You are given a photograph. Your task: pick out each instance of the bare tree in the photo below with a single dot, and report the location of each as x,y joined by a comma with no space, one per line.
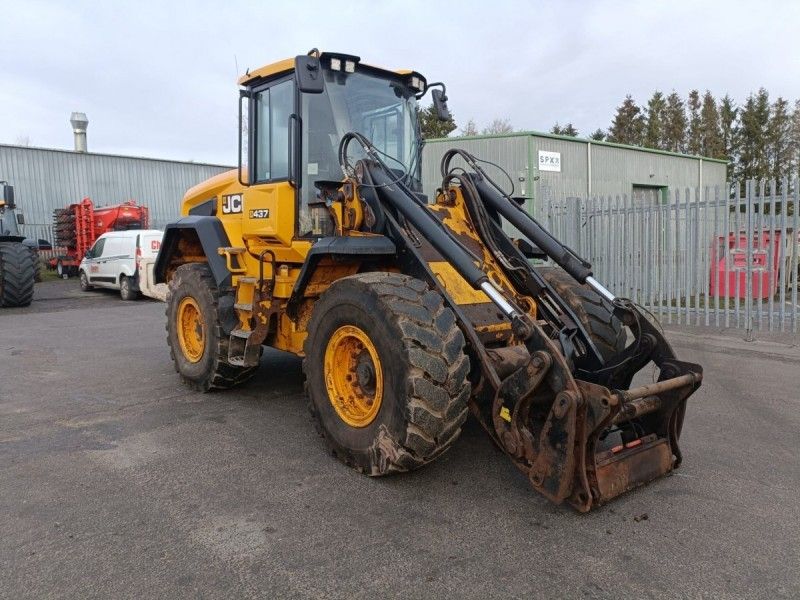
23,140
469,128
498,126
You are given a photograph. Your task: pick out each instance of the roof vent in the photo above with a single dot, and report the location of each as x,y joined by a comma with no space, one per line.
79,125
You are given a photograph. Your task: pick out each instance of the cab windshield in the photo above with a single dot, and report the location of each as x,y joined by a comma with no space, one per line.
381,108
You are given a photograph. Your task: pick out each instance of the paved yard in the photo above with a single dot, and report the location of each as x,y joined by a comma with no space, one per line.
117,482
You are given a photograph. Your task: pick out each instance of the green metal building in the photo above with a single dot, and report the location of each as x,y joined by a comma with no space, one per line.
546,167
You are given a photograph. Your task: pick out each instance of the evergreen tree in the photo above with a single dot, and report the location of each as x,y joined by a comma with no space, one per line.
695,141
751,138
674,135
779,143
727,125
628,124
712,145
653,132
430,125
794,165
567,129
599,135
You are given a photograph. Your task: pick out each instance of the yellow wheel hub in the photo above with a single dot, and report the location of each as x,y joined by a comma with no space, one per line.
353,376
191,329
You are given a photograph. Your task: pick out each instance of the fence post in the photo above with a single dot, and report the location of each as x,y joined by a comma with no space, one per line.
748,282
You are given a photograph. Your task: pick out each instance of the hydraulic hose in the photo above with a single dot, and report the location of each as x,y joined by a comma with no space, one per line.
515,215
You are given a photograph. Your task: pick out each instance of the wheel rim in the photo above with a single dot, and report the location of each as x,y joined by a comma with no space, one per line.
353,376
191,329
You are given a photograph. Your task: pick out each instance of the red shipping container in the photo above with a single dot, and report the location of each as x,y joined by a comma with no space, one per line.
764,282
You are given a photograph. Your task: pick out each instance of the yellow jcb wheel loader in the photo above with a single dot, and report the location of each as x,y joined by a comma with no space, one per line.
410,311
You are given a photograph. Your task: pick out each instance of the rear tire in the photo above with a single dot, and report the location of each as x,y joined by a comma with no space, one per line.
208,368
420,363
17,274
607,331
126,291
37,265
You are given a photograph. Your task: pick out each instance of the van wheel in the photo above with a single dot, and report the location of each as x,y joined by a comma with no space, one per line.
126,288
85,285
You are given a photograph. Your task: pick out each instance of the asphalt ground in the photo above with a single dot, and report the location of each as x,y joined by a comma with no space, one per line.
118,482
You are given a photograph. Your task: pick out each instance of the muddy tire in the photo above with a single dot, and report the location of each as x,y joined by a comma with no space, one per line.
419,354
607,332
17,274
198,317
37,265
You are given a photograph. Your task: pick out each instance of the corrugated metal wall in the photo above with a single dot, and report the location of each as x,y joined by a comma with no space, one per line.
614,169
511,153
46,179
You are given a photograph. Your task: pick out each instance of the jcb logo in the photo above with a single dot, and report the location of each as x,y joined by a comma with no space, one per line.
231,204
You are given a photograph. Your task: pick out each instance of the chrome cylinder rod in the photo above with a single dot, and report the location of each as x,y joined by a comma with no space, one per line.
497,297
600,289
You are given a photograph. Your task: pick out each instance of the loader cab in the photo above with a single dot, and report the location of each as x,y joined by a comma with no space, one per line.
291,133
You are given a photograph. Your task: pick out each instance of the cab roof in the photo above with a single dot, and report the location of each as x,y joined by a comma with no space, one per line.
287,64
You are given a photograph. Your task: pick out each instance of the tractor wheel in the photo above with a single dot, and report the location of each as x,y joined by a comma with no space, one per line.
37,265
85,285
606,331
386,372
17,274
197,318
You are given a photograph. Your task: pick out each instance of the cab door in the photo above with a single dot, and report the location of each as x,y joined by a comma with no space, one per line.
94,261
268,210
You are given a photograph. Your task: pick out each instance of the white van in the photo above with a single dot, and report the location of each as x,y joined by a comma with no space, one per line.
113,261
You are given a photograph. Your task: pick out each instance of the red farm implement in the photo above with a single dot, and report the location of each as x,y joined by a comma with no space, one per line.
77,226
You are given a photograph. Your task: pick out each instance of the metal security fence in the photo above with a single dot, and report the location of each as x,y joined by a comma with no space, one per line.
722,257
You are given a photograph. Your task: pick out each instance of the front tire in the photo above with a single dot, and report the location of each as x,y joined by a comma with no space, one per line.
85,285
17,274
386,372
606,330
198,317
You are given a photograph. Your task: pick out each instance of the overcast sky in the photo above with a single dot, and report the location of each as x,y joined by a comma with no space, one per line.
159,78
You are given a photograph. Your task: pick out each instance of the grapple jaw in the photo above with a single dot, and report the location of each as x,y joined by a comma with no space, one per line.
583,442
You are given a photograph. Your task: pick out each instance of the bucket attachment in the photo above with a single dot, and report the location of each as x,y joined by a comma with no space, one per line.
585,443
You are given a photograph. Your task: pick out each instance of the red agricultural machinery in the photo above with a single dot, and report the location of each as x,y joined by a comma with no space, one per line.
77,226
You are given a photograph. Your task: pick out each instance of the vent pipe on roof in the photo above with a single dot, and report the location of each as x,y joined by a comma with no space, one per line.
79,125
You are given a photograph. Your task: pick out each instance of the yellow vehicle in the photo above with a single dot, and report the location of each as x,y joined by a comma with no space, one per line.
410,311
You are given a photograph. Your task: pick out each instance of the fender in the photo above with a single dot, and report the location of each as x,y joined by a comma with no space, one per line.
212,236
345,247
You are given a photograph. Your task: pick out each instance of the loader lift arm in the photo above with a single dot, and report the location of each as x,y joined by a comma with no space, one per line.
557,406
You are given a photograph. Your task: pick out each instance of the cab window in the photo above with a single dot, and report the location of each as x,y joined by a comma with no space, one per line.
97,249
273,106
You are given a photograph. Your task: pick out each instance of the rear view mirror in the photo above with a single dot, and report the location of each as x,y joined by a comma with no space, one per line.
8,195
308,72
440,105
20,219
